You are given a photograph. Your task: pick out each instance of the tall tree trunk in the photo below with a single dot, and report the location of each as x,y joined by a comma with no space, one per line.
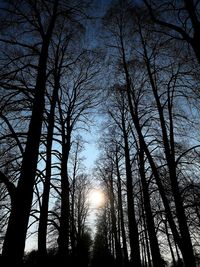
143,249
133,230
114,224
147,244
121,214
14,242
195,40
63,238
170,245
72,215
155,251
177,252
42,229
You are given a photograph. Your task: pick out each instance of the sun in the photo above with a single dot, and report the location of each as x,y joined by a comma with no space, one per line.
96,198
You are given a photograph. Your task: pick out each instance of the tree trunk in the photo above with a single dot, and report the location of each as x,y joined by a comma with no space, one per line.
63,238
114,225
121,214
147,244
133,230
155,251
42,229
170,246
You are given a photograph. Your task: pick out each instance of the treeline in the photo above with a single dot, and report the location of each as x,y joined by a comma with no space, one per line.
145,74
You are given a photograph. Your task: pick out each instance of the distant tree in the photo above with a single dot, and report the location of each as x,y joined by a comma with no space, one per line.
101,254
83,249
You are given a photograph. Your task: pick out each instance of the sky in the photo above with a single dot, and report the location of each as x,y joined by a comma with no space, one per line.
97,11
93,38
90,152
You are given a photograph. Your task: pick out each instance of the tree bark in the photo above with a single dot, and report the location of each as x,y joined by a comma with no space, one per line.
121,214
170,245
155,251
42,229
63,238
114,224
133,230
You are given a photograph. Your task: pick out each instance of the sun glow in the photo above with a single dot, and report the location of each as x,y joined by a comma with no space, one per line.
96,198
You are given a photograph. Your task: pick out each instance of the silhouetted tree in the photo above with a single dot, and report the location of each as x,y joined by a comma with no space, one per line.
14,242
